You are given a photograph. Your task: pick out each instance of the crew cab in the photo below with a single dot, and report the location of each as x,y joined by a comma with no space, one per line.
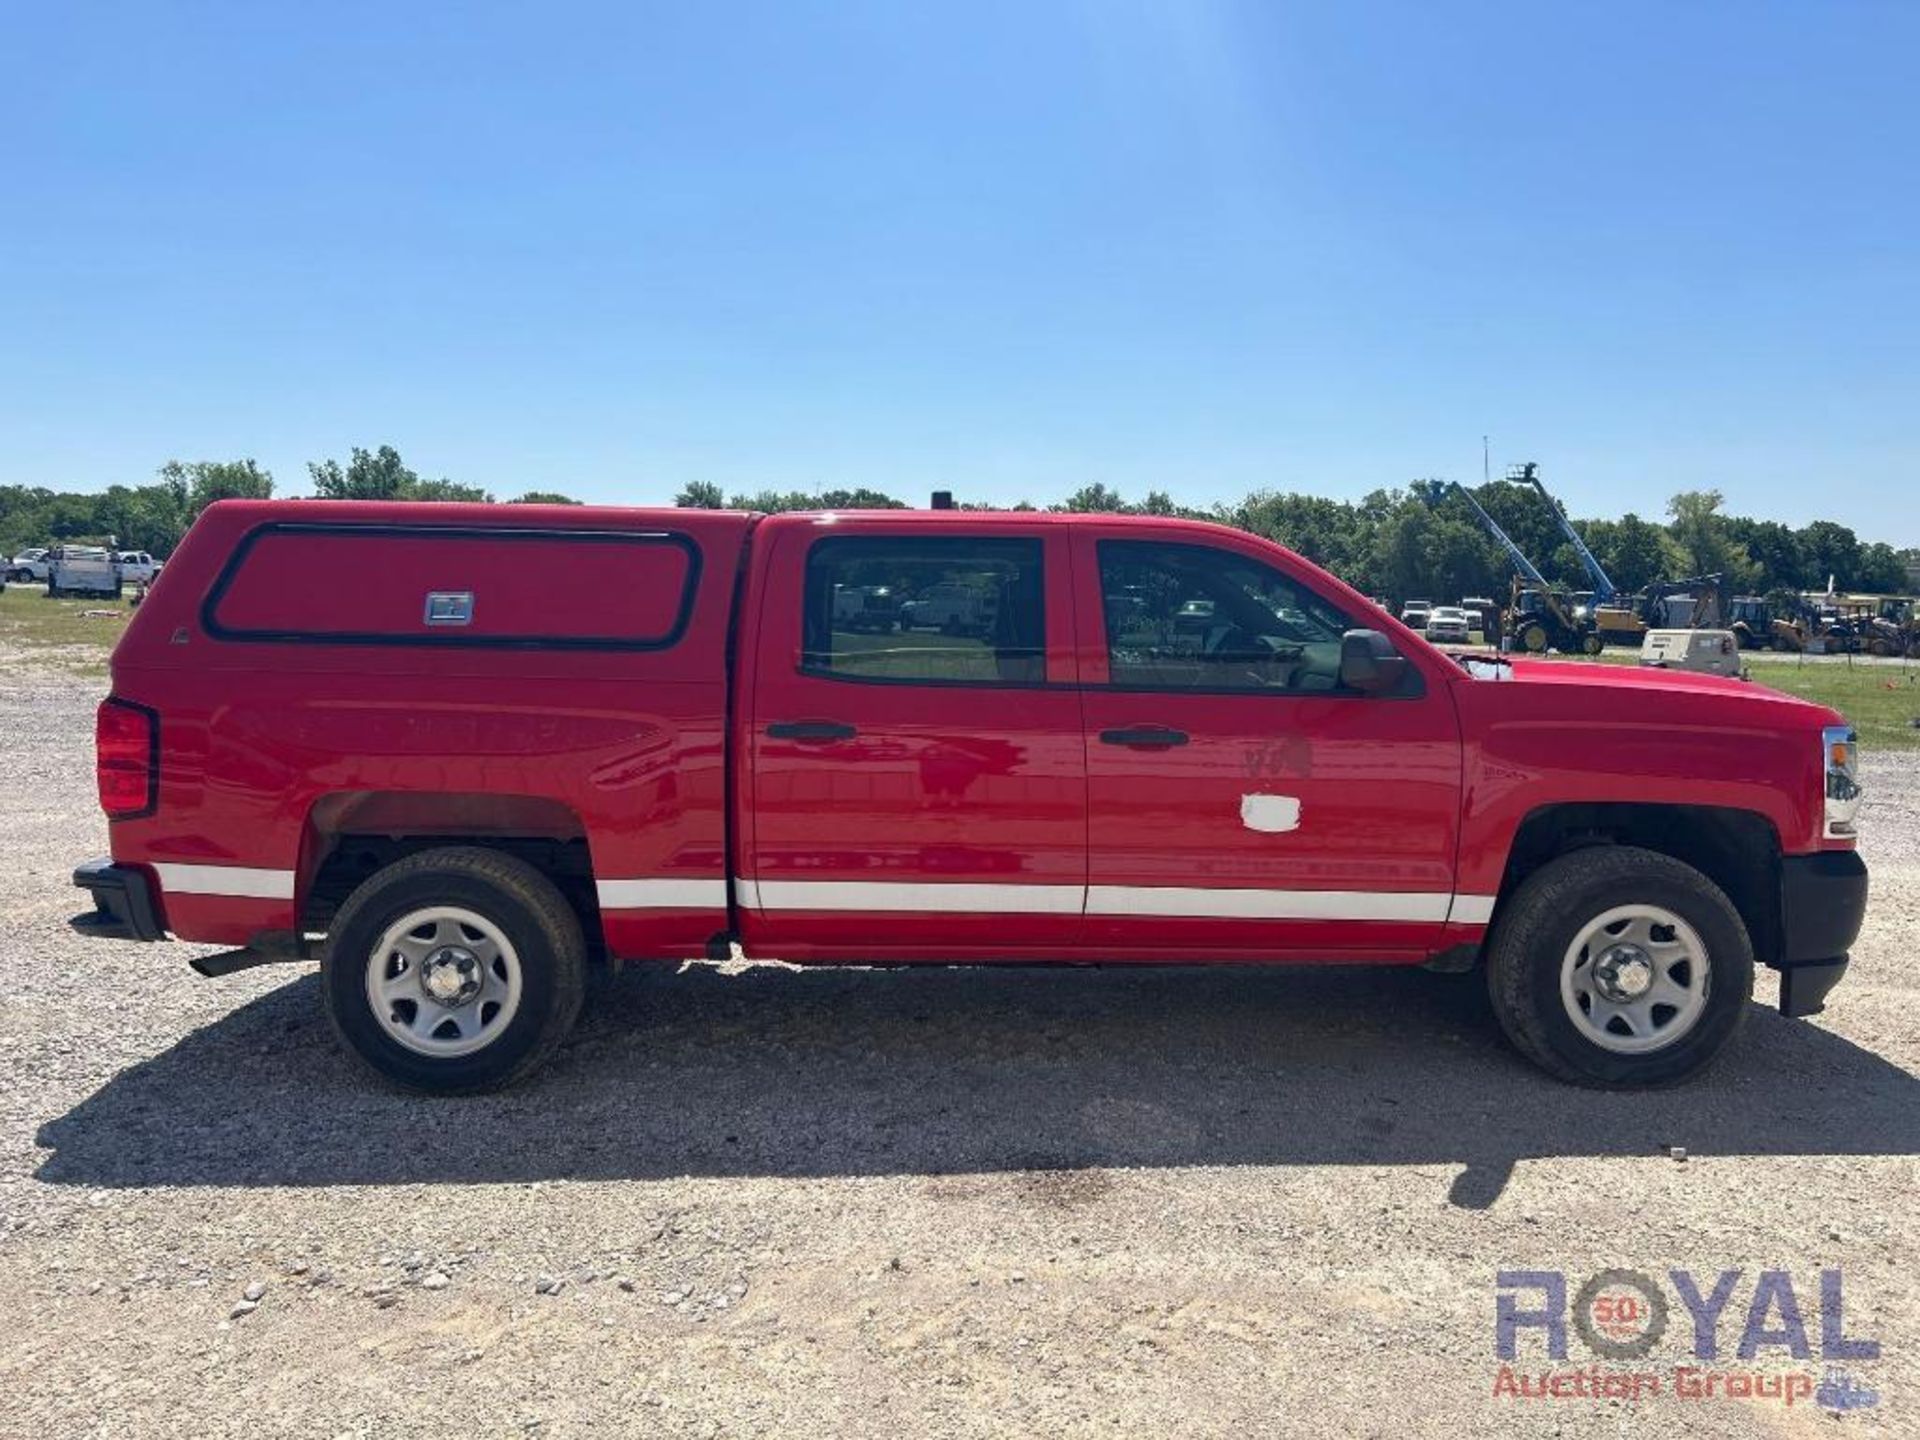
457,753
29,565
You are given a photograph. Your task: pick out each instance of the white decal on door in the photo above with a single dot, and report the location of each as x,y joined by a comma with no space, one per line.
1270,814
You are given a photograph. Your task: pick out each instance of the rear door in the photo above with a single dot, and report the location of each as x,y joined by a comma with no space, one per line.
915,784
1240,799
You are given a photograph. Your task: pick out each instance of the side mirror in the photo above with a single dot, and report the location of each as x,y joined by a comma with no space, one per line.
1369,663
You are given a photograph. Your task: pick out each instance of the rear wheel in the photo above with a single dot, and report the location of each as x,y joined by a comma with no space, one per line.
1619,967
1533,638
454,970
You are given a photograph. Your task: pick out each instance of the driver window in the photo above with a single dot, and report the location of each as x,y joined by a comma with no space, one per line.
1192,617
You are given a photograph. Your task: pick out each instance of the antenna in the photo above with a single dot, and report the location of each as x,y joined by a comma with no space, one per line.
1486,464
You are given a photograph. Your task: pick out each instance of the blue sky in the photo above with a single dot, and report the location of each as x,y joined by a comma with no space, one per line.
1009,249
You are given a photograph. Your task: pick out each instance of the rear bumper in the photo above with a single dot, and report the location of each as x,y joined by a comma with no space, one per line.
1823,903
123,907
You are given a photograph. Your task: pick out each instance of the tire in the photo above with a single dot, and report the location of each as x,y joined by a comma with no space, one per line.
514,918
1591,645
1533,639
1534,974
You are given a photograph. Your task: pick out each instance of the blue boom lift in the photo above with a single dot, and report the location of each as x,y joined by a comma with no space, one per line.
1540,618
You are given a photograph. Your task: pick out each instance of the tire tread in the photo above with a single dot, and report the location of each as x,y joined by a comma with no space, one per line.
521,882
1551,892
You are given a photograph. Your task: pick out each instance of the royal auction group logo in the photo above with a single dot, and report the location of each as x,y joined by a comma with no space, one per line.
1624,1318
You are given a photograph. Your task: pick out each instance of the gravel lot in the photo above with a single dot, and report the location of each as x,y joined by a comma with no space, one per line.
886,1203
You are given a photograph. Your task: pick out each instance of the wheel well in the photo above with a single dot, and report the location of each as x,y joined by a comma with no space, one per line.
1736,849
351,835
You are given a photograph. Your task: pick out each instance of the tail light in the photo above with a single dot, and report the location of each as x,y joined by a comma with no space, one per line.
127,759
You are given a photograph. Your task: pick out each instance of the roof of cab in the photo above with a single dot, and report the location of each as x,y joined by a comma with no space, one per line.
242,514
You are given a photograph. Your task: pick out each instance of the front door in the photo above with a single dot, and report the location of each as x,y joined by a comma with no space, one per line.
915,785
1241,800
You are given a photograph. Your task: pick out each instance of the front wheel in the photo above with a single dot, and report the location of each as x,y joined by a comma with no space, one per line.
1591,644
454,970
1619,967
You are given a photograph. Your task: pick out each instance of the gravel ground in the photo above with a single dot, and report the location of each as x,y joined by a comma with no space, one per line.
886,1203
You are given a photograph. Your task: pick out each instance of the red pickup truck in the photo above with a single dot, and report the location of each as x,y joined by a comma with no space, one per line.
457,752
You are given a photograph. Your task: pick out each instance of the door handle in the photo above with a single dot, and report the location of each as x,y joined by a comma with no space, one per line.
811,731
1146,736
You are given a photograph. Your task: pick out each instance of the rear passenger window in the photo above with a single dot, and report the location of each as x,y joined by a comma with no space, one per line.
931,611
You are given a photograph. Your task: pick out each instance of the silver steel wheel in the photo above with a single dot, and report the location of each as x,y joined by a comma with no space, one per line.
1635,979
444,982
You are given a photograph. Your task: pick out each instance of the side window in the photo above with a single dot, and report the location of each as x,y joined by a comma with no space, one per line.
959,610
1193,617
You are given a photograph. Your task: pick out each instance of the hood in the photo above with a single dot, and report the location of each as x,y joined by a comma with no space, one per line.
1644,683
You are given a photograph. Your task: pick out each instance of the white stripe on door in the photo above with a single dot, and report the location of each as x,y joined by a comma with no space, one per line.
955,898
949,899
1428,907
1267,904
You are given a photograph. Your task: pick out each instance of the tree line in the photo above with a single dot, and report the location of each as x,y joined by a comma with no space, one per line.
153,517
1402,543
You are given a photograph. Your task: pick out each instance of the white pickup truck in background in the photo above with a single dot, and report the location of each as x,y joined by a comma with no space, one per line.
136,567
28,565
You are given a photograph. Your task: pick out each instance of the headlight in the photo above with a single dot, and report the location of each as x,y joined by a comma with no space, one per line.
1840,758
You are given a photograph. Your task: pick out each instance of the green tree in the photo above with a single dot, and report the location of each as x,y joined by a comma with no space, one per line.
1633,552
543,497
1832,552
1706,547
857,499
1880,570
382,475
1327,532
368,475
448,490
1530,524
198,483
1095,498
1775,548
701,495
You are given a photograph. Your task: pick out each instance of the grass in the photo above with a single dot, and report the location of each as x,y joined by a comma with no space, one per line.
1881,701
60,633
